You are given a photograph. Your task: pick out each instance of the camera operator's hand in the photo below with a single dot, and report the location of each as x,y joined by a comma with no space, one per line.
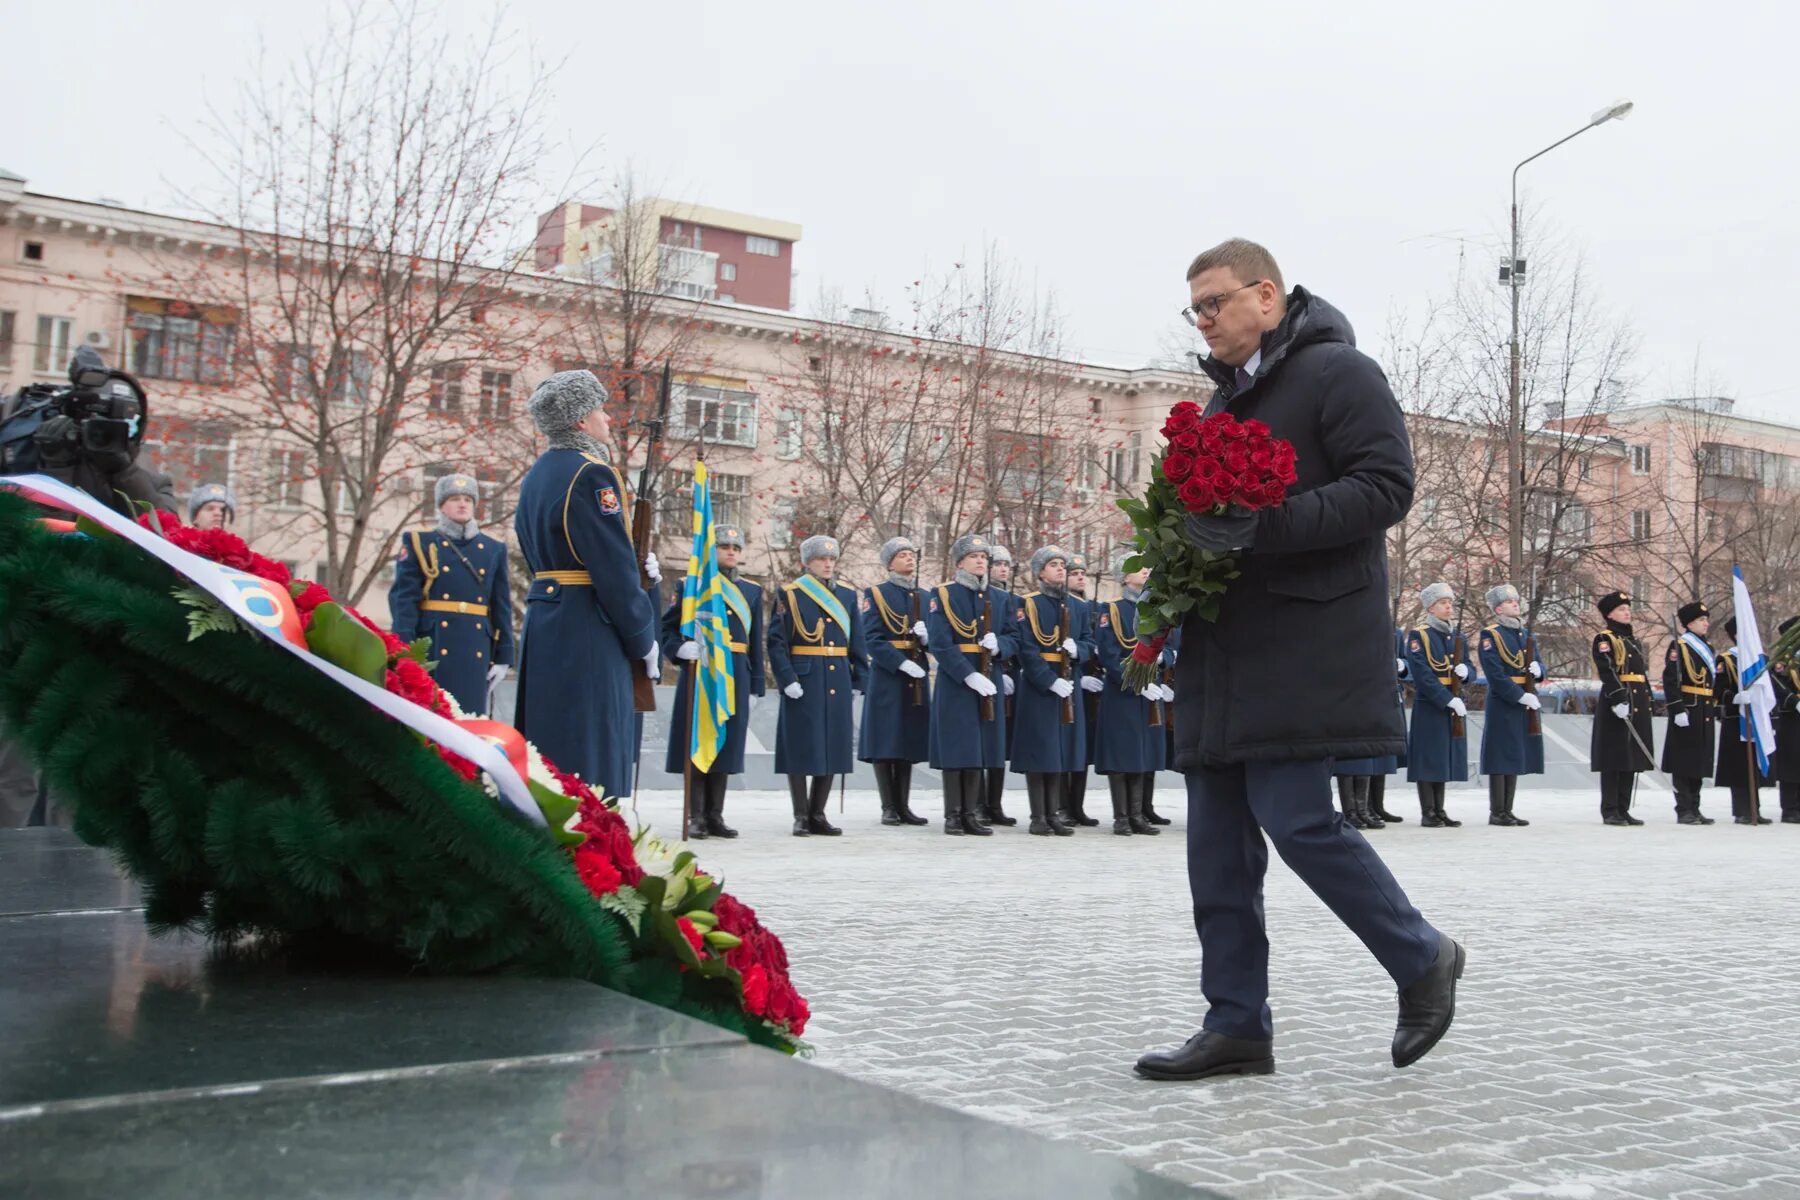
57,439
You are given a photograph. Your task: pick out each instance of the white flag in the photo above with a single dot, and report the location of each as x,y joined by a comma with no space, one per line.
1753,675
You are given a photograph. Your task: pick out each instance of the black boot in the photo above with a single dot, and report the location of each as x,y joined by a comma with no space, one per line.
696,806
903,773
716,783
884,784
953,790
1512,791
1428,818
1076,787
974,793
1347,801
1056,800
1443,817
1139,811
1497,801
1120,788
815,818
1149,809
1377,798
1034,797
1359,795
797,793
994,786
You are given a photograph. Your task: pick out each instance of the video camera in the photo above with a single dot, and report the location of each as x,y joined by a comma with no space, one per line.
96,421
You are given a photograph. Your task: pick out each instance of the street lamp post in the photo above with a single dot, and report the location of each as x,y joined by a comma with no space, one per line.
1515,429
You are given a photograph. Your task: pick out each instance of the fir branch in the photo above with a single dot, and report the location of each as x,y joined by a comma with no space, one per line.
205,613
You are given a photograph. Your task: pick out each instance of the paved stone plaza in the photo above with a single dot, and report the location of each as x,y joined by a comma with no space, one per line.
1629,1025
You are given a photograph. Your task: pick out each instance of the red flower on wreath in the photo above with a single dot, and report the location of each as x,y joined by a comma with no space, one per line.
694,937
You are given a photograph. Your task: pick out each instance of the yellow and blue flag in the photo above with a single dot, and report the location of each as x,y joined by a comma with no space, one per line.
703,620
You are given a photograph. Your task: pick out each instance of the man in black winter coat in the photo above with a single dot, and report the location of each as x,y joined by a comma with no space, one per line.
1311,605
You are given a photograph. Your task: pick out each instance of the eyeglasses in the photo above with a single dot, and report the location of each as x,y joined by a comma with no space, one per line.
1208,306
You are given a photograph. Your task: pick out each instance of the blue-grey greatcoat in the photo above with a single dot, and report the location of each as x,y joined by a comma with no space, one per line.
894,727
816,734
1507,748
1432,755
1043,742
588,625
960,739
747,679
1125,743
1088,703
455,591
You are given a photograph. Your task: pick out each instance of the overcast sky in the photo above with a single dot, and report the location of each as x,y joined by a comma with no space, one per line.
1100,145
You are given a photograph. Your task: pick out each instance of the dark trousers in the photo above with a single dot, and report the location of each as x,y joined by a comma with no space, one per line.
1687,794
1741,805
1615,792
1229,810
1790,797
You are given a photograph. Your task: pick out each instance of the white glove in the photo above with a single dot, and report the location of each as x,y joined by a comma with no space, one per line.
1400,665
990,643
909,667
1070,648
688,651
1537,671
1173,655
1153,692
497,672
1681,719
1530,701
793,691
1458,707
1092,683
1461,670
1008,681
1168,693
653,663
652,568
981,685
919,629
1062,689
1743,699
1621,710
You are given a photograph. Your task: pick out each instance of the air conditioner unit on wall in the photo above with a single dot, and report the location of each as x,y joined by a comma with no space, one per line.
99,339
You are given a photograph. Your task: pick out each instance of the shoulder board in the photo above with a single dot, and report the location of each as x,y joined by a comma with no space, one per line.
791,587
596,460
1030,595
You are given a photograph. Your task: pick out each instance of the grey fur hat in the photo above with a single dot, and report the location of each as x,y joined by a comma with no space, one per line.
1500,593
206,493
1044,554
971,543
895,545
456,484
561,401
728,535
1078,562
1434,592
998,553
819,545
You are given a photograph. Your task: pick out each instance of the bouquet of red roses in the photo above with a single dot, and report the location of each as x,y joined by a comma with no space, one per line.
1213,464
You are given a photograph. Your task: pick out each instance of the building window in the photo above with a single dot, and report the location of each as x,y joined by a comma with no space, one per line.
352,377
293,372
1094,404
1640,458
173,339
1640,524
782,512
287,479
8,330
727,272
349,486
730,498
727,298
496,395
763,245
52,351
815,364
34,252
723,416
787,435
191,452
1638,594
428,501
445,394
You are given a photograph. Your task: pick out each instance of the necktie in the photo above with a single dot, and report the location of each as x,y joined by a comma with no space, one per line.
1243,379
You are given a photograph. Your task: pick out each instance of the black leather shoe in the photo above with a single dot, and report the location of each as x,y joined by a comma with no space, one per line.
1631,820
1207,1054
1689,819
1617,821
1790,818
1705,820
1740,820
716,827
1428,1005
1433,821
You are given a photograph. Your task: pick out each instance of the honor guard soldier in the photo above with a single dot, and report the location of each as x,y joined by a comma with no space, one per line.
1091,679
1362,782
1688,673
1129,747
744,616
1622,730
896,714
1000,573
970,631
1787,731
450,585
1512,736
212,506
1735,756
1051,742
1378,810
589,627
1437,752
1171,653
816,655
